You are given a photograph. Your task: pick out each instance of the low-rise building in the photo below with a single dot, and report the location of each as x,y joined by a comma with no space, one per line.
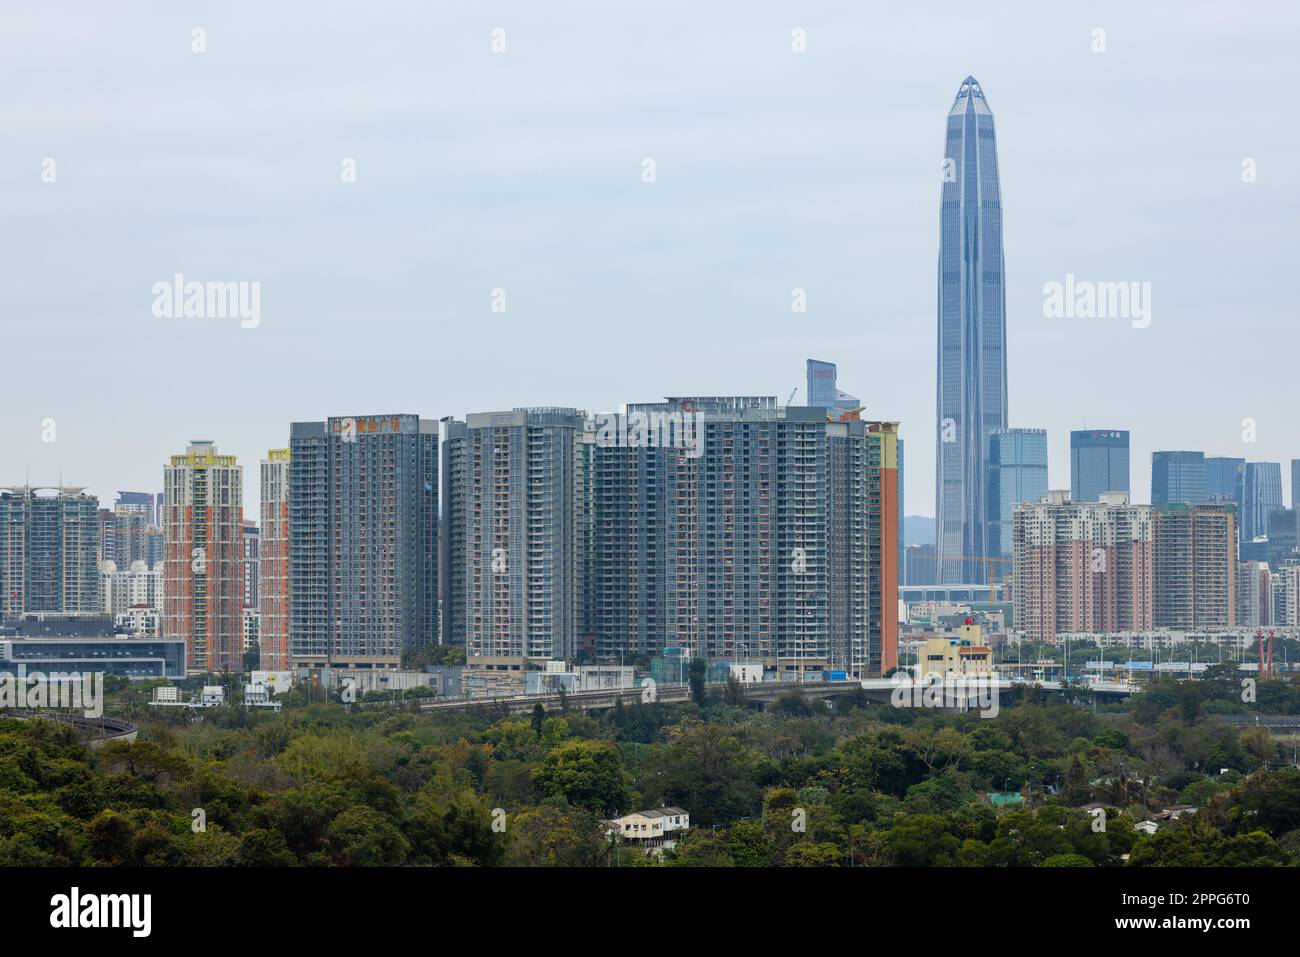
965,655
493,676
652,829
87,643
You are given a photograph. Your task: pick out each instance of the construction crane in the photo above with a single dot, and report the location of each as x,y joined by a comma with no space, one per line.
792,392
1259,639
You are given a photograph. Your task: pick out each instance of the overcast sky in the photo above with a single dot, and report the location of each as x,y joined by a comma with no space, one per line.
523,170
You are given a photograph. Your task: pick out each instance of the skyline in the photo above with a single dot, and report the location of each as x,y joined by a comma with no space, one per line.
770,177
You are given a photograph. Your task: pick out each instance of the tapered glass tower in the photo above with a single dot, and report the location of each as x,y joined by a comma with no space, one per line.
972,376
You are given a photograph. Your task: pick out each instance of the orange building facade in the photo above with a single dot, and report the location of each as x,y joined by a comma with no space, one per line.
203,557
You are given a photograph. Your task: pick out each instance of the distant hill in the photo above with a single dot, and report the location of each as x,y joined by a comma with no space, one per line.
918,530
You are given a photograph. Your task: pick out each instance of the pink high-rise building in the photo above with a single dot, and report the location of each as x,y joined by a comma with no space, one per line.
1083,566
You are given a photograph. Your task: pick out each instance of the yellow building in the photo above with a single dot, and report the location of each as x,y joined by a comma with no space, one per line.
964,655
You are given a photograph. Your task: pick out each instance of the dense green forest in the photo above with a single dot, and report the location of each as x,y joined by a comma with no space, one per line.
382,784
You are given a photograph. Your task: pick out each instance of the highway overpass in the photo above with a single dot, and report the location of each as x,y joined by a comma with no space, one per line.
879,690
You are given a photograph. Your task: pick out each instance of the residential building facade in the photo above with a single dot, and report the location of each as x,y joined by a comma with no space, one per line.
363,540
1083,566
203,556
49,551
273,562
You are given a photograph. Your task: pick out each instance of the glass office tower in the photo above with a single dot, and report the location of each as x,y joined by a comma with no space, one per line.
1017,473
1178,477
1098,463
1224,479
1261,494
824,392
972,362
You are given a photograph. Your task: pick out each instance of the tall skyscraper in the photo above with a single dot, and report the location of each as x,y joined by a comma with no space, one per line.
363,540
49,551
1178,477
1261,494
273,562
203,556
1098,463
972,361
1017,473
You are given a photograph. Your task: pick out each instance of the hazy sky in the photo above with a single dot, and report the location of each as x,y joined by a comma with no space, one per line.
522,171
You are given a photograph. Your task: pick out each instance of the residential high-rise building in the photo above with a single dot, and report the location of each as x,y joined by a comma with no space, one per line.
363,540
455,486
1017,473
252,555
902,512
1286,596
1254,595
127,536
517,524
273,562
1178,477
740,537
1295,493
1083,566
824,392
1224,480
146,502
49,551
972,361
1261,494
1098,463
203,556
884,485
252,620
1283,597
1196,567
135,587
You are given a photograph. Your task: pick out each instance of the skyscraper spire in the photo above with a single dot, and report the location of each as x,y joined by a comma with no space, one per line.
971,389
